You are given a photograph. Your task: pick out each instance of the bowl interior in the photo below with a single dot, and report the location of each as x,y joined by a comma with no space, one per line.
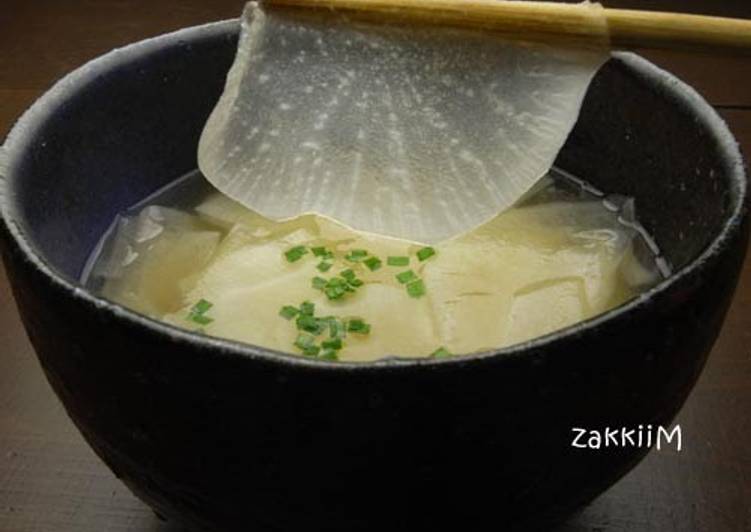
126,124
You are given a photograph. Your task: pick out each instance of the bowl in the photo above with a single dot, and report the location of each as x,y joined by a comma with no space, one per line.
218,435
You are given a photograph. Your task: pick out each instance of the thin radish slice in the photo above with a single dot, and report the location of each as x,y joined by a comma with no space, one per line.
420,133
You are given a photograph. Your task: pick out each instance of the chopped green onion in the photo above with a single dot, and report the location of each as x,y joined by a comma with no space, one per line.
197,312
294,254
201,307
397,261
335,292
335,288
200,319
373,263
356,255
307,308
357,325
334,343
322,252
324,266
288,312
311,350
441,352
329,354
304,340
352,280
416,288
310,324
406,277
425,253
307,323
337,329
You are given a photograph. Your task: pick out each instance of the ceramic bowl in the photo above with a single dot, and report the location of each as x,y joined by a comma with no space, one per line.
222,436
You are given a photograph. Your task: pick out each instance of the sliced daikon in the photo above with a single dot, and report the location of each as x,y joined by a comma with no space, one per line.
546,307
154,258
248,284
418,132
552,262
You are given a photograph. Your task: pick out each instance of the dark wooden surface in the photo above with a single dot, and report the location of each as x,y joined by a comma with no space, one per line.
51,481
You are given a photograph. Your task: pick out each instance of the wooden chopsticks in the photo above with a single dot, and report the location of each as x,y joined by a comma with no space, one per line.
579,23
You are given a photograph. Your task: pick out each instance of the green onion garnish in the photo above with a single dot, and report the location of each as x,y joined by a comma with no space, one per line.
334,343
201,307
356,255
357,325
351,278
373,263
322,252
310,324
294,254
288,312
311,350
304,340
425,253
324,266
335,292
337,329
200,319
329,354
307,323
441,352
307,308
397,261
335,288
406,277
198,311
416,288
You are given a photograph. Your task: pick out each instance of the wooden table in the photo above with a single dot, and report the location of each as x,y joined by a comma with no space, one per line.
51,481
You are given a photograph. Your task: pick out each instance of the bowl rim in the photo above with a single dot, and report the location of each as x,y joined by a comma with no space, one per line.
22,136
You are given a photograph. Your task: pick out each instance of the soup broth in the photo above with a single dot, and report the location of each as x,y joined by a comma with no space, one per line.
311,286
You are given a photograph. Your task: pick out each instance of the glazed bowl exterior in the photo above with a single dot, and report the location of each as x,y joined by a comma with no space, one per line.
222,436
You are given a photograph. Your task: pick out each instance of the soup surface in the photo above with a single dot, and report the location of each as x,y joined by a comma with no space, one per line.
195,259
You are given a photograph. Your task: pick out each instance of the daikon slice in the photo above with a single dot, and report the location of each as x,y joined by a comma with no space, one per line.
153,258
536,268
546,307
417,132
247,284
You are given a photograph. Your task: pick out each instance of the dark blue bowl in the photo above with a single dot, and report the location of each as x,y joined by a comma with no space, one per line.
220,435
